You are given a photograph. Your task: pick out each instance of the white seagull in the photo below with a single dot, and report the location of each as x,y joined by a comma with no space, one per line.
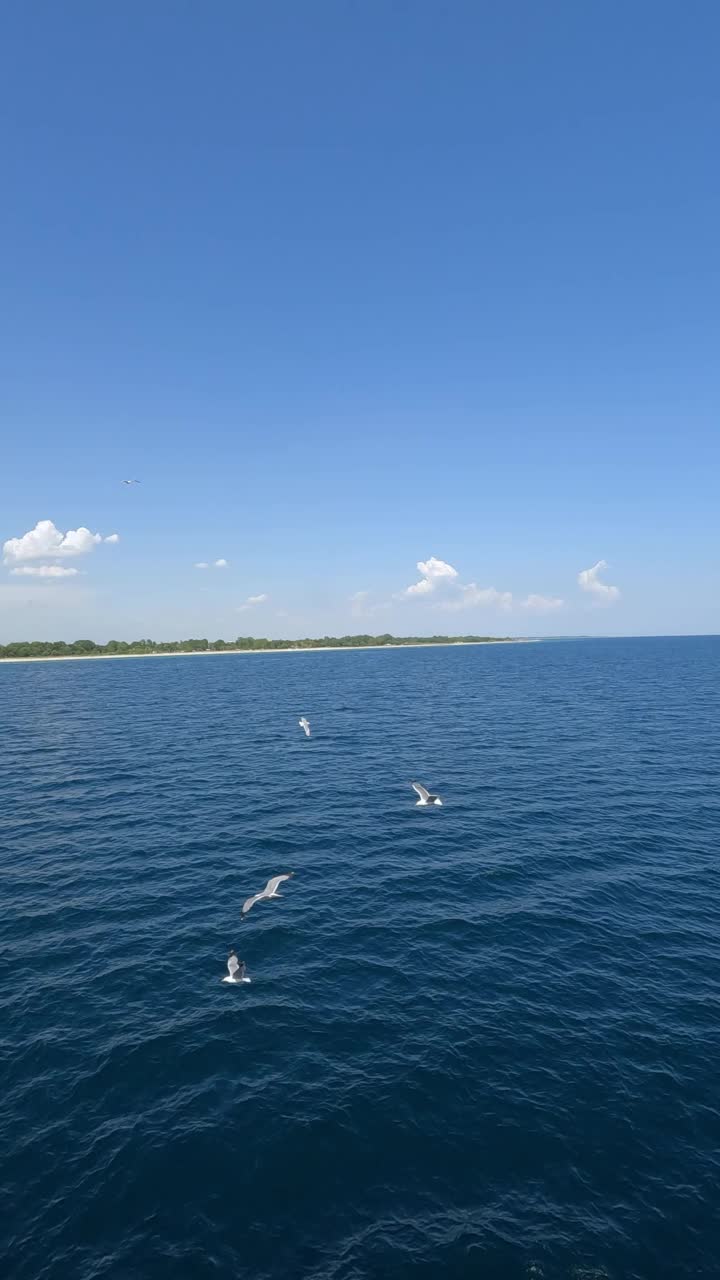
424,794
270,891
236,969
131,481
305,726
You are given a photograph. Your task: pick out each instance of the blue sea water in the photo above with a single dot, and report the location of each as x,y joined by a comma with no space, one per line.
480,1041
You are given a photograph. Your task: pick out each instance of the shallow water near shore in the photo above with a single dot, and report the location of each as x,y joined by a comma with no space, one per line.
480,1040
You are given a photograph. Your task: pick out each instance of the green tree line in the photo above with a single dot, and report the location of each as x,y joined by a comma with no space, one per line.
88,648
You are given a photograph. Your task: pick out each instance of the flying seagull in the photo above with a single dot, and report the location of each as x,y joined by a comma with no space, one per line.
424,794
270,891
305,726
131,481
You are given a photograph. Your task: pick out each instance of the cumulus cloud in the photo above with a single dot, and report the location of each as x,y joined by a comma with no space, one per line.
590,581
220,564
441,579
201,564
472,596
47,542
541,604
433,572
45,571
216,564
252,602
112,537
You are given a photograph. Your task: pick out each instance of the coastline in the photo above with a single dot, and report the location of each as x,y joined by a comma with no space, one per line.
223,653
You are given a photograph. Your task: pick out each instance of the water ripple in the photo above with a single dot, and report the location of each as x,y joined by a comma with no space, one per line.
480,1041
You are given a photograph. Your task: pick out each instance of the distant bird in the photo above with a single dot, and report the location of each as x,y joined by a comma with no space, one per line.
424,794
270,891
131,482
305,726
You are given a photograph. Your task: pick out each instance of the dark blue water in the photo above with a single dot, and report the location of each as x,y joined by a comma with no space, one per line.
481,1041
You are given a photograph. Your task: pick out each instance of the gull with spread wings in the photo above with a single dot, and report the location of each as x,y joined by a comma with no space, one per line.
270,891
425,796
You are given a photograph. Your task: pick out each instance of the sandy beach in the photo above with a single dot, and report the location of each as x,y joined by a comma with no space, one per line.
220,653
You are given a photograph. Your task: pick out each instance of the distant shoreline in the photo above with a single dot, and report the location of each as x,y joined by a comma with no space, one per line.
219,653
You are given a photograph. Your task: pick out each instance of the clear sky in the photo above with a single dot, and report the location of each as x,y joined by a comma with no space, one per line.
354,286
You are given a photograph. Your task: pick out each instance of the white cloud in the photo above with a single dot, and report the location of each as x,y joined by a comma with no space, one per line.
45,541
216,564
441,580
220,564
589,581
45,571
440,577
472,596
433,571
541,604
201,564
112,537
252,602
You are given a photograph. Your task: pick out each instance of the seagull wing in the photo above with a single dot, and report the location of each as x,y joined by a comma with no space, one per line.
250,902
422,791
272,885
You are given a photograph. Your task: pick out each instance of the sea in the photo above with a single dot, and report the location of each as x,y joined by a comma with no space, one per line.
481,1041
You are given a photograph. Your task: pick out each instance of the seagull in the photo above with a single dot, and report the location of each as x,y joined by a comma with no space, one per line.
305,726
270,891
236,969
131,481
424,794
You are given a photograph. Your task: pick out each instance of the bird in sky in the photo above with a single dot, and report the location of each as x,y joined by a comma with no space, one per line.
305,726
424,794
131,482
270,891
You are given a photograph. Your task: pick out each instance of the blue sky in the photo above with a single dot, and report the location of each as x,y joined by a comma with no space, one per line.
351,287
